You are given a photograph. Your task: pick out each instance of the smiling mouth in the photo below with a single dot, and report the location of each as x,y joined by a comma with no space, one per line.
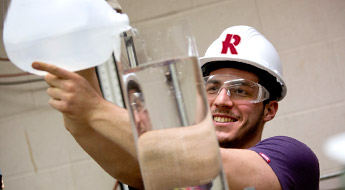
223,119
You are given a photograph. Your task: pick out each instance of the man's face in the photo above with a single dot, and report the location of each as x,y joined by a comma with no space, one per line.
140,113
237,125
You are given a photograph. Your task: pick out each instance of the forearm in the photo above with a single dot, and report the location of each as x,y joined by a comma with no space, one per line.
108,139
101,128
107,118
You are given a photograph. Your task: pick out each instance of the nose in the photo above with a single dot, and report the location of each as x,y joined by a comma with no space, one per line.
223,98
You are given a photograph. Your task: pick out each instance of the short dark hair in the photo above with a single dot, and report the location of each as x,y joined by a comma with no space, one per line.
265,79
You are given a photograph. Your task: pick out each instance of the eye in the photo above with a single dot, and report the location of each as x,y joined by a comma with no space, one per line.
212,89
240,91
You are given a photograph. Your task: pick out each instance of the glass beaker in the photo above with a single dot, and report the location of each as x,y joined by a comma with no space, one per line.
172,125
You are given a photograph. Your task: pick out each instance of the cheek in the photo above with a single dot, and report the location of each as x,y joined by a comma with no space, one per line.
251,112
246,111
209,102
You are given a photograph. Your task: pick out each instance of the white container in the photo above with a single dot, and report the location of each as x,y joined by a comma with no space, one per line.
71,34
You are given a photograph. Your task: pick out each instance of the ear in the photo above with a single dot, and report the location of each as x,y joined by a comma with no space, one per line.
270,111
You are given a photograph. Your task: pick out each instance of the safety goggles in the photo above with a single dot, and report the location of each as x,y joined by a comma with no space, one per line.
239,90
137,101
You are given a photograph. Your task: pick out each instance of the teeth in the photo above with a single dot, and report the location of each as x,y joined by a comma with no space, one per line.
223,119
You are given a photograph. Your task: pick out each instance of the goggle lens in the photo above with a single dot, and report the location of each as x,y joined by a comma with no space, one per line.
238,89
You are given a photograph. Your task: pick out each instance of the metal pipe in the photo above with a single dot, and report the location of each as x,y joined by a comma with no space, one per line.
173,76
132,58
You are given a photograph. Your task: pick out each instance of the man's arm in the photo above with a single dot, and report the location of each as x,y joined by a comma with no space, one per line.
103,131
101,128
109,141
245,168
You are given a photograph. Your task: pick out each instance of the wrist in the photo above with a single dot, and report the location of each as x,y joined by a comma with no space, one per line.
81,124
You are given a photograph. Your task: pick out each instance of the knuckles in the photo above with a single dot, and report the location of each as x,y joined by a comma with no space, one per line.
65,108
62,106
70,98
70,95
68,86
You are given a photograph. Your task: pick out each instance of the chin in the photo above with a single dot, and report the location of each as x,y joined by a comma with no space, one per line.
223,136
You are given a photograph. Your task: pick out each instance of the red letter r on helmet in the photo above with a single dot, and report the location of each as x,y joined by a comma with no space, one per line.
227,44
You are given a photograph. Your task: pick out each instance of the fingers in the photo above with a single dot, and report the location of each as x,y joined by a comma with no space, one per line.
52,80
56,77
62,73
60,100
70,93
57,82
58,105
55,93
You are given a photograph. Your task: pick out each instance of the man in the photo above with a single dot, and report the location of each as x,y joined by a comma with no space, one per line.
239,117
243,81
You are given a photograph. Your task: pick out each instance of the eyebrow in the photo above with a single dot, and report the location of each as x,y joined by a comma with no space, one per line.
238,81
214,81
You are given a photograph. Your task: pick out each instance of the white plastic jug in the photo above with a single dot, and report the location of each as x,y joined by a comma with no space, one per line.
71,34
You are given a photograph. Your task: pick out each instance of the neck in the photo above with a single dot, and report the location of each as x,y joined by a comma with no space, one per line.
255,140
249,142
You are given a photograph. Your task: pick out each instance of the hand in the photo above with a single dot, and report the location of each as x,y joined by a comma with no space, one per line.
70,93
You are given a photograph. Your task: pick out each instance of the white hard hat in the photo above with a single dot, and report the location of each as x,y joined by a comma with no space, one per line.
243,46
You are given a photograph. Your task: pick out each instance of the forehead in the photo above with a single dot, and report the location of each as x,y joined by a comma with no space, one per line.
240,73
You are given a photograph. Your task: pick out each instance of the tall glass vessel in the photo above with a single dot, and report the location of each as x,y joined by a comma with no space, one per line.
172,125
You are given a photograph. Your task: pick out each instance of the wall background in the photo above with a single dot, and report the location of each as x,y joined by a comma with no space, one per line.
36,152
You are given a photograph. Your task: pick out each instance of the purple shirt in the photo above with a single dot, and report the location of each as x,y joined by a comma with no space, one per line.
294,163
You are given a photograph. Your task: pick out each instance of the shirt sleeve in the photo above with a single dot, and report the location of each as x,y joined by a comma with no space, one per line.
294,163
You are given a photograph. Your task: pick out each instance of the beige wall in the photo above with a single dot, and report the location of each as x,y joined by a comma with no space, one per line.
38,153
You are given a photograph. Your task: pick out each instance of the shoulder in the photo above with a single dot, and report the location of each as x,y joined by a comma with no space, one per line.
281,141
291,160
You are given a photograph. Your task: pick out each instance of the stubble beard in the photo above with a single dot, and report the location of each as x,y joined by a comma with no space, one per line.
251,130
